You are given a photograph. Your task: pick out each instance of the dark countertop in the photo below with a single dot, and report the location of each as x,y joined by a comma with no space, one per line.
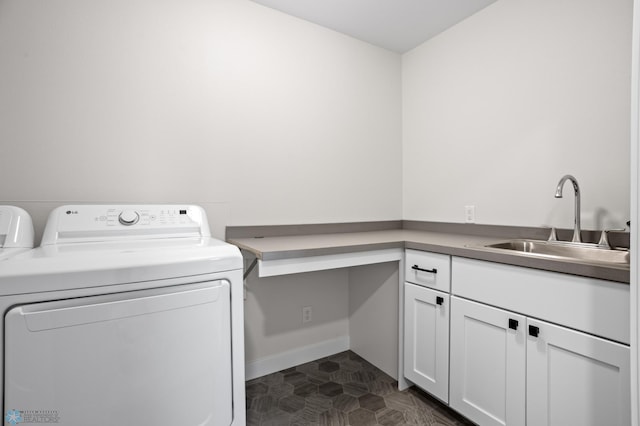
288,242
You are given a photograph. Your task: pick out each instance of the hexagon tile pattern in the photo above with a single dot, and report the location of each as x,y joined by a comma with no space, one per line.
341,390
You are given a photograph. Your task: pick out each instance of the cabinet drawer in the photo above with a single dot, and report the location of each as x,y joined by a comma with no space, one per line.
428,269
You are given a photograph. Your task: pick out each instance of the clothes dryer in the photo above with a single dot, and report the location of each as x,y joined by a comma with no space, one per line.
128,315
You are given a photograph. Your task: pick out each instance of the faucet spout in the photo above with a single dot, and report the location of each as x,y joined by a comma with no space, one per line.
576,229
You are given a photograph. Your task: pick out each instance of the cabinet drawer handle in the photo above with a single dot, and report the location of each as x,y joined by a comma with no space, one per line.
534,331
431,271
513,324
439,300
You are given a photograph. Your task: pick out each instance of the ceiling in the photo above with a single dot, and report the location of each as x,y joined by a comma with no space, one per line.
397,25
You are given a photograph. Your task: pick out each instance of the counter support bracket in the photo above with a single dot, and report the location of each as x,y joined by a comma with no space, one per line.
250,268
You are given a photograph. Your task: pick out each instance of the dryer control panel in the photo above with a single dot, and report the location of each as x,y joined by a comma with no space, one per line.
93,223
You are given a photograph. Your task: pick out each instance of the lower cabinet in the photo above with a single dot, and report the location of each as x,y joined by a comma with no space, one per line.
487,363
426,339
507,369
574,378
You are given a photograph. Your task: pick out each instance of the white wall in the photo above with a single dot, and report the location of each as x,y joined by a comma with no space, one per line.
260,117
498,108
273,315
272,119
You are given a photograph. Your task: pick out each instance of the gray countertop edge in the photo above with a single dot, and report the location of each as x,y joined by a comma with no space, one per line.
324,251
454,243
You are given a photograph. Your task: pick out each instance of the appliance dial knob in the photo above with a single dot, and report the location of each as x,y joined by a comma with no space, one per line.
128,217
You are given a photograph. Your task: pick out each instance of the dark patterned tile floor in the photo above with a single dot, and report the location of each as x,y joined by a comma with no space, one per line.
341,390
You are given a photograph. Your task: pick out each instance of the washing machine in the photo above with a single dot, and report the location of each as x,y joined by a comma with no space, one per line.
16,232
125,315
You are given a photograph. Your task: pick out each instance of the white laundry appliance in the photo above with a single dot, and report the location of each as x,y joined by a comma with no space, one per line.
16,231
125,315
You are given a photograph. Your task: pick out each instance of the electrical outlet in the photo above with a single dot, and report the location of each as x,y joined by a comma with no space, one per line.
470,214
306,314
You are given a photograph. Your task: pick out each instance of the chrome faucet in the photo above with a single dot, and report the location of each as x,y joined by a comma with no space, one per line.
576,229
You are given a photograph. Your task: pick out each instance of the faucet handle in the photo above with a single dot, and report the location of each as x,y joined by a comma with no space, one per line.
604,239
553,236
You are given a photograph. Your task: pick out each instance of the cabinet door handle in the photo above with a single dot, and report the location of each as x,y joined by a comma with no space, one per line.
513,324
431,271
439,300
534,331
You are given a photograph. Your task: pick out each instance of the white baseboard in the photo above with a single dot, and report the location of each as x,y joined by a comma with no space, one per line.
284,360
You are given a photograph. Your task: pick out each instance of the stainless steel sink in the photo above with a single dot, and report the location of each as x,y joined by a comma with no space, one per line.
570,250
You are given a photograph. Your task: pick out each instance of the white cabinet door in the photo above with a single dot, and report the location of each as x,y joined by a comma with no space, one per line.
426,339
487,364
575,378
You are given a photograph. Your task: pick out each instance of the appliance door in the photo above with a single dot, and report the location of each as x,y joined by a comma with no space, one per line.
149,357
